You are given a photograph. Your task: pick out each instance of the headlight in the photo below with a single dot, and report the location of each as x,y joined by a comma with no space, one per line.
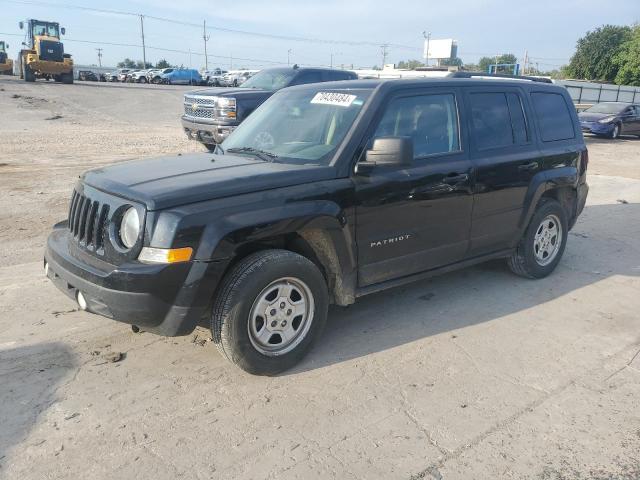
607,120
130,228
227,106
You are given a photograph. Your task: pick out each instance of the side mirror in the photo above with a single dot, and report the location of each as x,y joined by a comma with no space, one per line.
21,25
388,152
63,30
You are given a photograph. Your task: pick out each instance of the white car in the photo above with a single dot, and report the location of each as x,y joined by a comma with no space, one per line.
139,76
213,77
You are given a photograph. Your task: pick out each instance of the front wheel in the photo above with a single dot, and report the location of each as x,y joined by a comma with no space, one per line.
615,133
543,243
269,310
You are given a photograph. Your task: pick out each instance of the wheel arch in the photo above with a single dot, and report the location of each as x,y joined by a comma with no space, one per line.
318,231
559,184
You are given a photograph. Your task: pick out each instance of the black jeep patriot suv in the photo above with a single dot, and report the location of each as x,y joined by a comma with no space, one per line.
327,192
210,115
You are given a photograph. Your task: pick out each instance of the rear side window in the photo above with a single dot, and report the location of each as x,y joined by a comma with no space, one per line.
498,120
311,76
553,116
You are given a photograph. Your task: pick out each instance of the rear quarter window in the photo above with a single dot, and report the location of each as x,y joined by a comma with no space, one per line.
554,117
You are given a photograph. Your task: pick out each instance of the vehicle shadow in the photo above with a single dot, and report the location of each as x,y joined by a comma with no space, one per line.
29,379
600,245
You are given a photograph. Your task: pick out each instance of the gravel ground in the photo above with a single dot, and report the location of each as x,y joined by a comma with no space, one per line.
475,374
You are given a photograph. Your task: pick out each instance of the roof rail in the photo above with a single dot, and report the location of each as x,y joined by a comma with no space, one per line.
498,75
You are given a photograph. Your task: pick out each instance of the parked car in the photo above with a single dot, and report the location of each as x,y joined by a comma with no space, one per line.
326,193
235,78
611,119
87,76
213,77
122,74
210,115
155,76
138,76
115,75
182,76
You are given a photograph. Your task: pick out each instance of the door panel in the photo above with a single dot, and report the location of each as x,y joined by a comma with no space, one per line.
414,219
505,159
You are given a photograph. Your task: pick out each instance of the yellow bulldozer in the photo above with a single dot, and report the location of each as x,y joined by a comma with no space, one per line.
6,64
43,55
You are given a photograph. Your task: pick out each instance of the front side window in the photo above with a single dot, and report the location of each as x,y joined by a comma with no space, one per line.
48,29
553,116
298,126
430,120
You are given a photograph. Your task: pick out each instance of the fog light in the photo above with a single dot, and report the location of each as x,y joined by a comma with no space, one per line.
82,302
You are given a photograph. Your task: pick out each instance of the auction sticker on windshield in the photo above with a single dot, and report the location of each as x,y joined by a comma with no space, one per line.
333,98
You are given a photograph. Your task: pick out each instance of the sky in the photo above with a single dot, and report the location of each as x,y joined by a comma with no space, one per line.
316,32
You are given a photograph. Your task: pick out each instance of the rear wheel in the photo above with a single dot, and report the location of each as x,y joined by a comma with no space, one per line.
543,243
66,78
269,310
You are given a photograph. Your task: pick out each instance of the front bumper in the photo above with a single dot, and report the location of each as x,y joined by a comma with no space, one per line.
206,131
164,299
6,67
597,128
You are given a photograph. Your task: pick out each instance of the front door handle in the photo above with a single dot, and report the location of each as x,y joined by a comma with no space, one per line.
451,179
529,166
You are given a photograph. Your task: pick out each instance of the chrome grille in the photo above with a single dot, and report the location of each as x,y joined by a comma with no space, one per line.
87,221
191,99
198,112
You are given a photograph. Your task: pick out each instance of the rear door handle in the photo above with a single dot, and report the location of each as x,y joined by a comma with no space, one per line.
529,166
451,179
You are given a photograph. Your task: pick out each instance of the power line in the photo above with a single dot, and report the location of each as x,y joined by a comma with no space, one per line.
222,29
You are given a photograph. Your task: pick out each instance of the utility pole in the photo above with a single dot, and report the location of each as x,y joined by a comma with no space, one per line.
206,38
99,57
144,50
289,56
427,36
385,51
526,62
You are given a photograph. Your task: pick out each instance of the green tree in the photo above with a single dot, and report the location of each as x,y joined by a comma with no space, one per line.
485,62
163,64
410,64
140,65
595,52
628,60
127,63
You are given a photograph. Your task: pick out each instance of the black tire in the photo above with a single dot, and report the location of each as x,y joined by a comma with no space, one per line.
242,286
615,133
28,74
523,260
67,78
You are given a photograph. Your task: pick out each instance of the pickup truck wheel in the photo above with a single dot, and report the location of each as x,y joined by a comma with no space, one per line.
543,243
270,309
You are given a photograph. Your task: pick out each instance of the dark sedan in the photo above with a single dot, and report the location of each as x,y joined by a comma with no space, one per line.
611,119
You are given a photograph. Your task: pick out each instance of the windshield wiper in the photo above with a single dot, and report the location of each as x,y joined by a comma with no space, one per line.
261,154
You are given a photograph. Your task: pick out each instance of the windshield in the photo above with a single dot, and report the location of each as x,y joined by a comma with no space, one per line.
48,29
606,108
298,126
272,79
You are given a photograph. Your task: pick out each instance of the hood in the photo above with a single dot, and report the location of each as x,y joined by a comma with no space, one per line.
238,93
594,117
168,182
